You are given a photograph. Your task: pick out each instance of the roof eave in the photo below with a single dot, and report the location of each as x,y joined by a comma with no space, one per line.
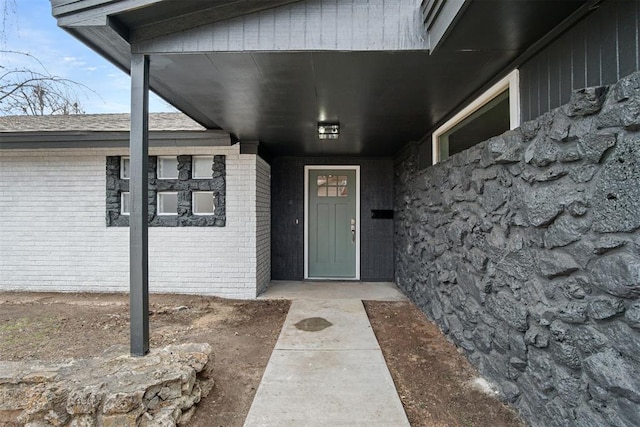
111,139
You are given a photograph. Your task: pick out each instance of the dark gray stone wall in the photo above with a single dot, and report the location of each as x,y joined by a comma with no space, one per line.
184,185
525,250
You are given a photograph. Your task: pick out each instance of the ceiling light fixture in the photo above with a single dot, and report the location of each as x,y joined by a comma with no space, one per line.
328,130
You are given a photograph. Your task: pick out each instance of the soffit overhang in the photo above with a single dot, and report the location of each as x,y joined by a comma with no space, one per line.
384,91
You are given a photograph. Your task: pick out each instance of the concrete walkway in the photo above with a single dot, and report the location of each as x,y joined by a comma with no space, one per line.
327,368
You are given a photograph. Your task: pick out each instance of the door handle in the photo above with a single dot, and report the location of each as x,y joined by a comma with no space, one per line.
353,230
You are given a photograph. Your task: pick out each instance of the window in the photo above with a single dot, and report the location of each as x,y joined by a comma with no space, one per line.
168,203
125,203
182,202
124,168
202,167
332,186
203,203
492,113
167,168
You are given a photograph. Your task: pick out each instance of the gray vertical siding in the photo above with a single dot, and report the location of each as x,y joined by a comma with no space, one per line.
598,50
287,203
306,25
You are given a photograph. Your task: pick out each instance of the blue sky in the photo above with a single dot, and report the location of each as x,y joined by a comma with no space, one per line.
32,29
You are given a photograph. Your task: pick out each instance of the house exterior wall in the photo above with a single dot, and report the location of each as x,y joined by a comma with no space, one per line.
287,201
598,50
55,238
263,224
525,250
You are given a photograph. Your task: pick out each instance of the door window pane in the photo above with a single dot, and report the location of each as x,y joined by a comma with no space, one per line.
202,167
167,168
332,186
168,203
203,203
321,182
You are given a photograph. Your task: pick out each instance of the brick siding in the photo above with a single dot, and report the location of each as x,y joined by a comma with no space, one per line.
54,236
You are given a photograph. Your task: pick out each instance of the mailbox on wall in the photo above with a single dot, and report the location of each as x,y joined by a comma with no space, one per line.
382,213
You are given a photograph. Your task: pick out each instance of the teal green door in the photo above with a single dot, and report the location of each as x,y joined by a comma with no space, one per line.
332,224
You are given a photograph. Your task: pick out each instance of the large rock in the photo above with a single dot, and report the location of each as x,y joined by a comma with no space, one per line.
541,205
494,196
607,243
612,372
504,306
617,274
113,390
625,115
593,146
627,87
624,339
565,230
632,315
601,308
572,312
616,200
586,101
569,386
588,339
541,152
556,263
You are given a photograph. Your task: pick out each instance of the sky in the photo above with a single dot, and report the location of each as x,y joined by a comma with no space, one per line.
31,28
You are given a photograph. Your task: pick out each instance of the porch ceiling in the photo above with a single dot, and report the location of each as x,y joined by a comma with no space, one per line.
382,99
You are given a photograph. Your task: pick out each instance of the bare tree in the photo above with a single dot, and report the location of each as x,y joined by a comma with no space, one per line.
31,89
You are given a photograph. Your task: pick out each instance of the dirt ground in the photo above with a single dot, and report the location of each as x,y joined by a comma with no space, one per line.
431,376
241,333
433,379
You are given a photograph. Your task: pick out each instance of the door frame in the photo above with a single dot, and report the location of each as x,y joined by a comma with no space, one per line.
307,169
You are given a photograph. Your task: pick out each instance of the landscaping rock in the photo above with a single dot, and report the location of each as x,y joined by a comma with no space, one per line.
111,390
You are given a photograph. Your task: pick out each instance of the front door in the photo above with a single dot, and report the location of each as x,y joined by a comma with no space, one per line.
333,229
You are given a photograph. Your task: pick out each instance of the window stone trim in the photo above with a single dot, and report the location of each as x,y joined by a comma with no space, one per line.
184,185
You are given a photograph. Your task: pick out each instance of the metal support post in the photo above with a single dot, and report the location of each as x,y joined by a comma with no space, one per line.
138,218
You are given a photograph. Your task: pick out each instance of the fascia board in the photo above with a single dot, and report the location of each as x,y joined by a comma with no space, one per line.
49,140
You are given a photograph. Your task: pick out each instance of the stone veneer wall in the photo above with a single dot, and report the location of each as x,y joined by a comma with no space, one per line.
525,250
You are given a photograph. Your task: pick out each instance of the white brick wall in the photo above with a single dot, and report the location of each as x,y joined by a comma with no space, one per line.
263,224
53,235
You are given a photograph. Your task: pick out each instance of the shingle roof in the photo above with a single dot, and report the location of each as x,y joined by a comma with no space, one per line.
95,123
